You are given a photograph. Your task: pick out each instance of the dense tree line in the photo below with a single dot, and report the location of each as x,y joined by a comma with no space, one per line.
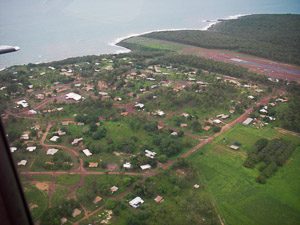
211,66
275,37
268,155
289,115
53,215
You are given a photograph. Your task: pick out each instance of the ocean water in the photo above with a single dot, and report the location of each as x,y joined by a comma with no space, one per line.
48,30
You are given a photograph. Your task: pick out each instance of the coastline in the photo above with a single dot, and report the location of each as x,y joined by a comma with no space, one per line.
123,50
211,23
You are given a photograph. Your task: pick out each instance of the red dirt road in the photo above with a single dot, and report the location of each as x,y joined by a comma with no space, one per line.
255,64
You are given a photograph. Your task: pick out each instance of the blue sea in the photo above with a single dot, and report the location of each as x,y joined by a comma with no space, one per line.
48,30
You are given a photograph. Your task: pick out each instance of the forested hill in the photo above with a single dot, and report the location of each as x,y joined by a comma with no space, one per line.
272,36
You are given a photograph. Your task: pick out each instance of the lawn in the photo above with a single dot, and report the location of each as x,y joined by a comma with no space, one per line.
239,199
37,200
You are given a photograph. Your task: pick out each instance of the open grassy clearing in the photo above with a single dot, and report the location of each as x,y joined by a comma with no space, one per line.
37,200
239,199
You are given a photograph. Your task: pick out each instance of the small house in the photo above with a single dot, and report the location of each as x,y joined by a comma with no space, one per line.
54,138
136,202
76,141
150,154
159,199
248,121
97,200
22,163
76,212
87,152
127,165
93,164
13,149
234,147
31,148
217,121
145,167
73,96
52,151
113,189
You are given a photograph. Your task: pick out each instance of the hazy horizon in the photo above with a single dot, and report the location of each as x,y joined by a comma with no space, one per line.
58,29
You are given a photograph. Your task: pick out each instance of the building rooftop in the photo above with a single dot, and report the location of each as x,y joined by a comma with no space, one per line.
31,148
52,151
136,202
87,152
73,96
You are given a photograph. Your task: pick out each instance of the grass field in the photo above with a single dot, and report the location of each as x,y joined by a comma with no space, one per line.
37,200
239,199
149,43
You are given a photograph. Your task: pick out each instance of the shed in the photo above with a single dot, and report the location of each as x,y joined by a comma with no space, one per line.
159,199
234,147
145,167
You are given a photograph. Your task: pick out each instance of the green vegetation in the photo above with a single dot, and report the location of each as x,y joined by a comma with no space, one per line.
288,114
36,199
53,215
270,36
238,197
269,155
157,99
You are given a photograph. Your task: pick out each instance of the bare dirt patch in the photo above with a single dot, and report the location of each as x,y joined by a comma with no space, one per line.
42,186
255,64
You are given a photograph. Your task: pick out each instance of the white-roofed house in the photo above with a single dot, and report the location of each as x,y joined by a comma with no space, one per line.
139,105
234,147
87,152
25,136
13,149
54,138
127,165
31,148
174,133
113,189
23,103
217,121
150,154
52,151
73,96
248,121
76,141
136,202
22,162
159,113
145,167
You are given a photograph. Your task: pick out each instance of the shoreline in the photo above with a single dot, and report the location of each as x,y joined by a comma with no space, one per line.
211,23
123,50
